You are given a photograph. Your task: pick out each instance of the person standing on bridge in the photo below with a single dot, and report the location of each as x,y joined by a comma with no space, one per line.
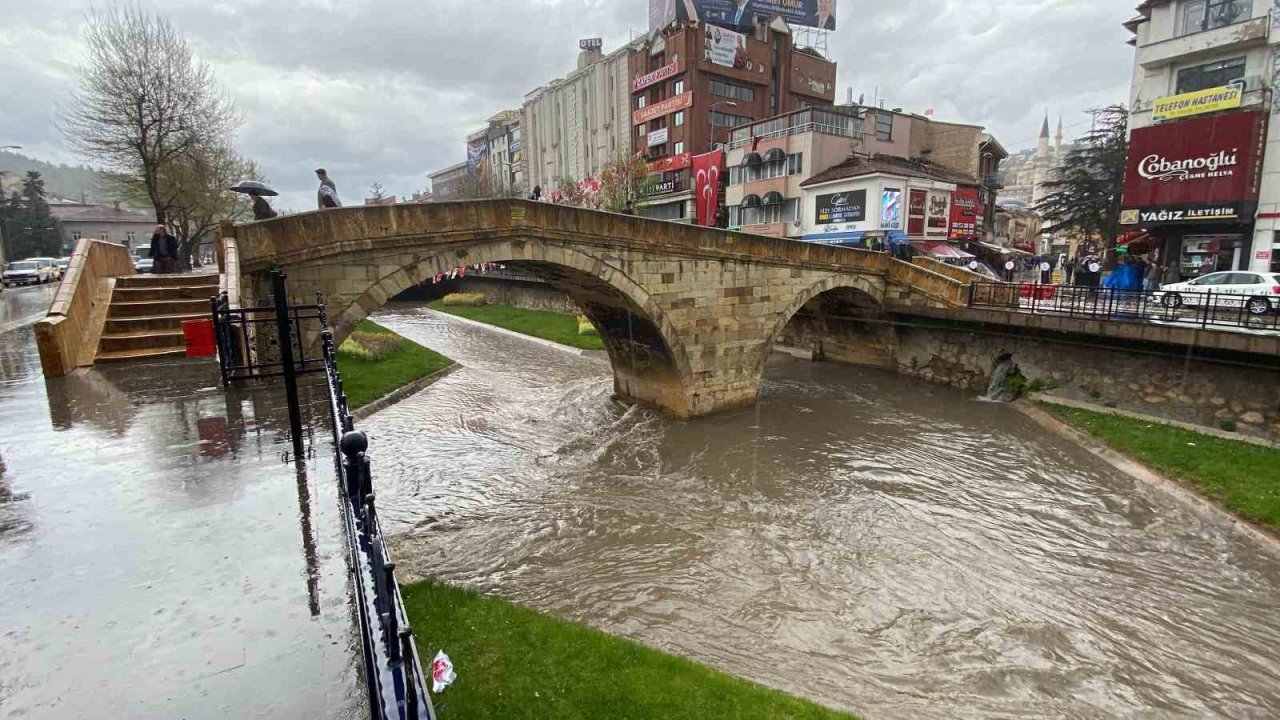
327,195
164,251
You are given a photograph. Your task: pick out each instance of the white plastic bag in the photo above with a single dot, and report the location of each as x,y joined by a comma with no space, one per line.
442,674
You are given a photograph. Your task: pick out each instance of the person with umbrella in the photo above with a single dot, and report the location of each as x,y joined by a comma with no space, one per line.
259,192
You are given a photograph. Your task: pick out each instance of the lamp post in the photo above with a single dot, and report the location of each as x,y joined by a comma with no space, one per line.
723,103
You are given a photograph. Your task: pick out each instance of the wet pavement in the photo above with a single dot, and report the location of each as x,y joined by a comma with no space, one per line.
889,547
158,557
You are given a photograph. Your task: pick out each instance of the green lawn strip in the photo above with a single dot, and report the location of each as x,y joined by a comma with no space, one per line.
556,327
367,380
515,663
1242,477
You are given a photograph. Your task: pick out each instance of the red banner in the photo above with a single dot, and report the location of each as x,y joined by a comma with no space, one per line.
966,214
706,185
1194,169
915,212
662,107
669,164
641,82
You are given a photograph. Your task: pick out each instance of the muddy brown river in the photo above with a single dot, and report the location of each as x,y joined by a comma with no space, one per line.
876,544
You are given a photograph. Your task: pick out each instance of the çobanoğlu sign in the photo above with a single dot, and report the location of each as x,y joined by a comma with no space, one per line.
1200,170
837,208
641,82
819,14
1214,99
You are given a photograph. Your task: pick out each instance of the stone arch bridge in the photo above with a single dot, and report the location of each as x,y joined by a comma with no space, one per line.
687,314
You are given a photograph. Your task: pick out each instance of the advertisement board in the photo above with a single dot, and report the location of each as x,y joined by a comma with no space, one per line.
1198,170
891,209
665,107
1172,107
725,47
844,207
641,82
915,212
659,136
669,163
819,14
966,214
477,151
939,211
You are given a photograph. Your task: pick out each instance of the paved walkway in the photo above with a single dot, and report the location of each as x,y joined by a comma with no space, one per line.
158,558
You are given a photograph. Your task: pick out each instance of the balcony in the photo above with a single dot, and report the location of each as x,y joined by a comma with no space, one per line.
1209,42
798,123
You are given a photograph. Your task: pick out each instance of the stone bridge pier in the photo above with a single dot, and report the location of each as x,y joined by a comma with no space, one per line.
687,315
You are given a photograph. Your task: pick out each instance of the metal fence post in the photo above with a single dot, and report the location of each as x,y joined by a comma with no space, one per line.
284,335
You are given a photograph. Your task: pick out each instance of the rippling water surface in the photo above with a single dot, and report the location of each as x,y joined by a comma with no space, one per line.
872,543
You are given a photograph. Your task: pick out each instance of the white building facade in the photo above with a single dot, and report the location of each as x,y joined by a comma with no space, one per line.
1202,79
573,126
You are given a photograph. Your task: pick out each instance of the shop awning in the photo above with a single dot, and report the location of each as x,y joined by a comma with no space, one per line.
775,155
774,198
751,201
752,159
943,250
852,237
1135,245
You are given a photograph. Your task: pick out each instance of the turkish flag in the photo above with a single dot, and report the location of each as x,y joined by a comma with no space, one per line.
706,185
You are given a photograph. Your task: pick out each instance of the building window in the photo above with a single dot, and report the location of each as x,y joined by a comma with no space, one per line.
132,237
679,88
76,236
640,130
735,216
679,119
679,147
719,119
1201,15
727,88
884,127
1216,74
795,164
641,101
105,236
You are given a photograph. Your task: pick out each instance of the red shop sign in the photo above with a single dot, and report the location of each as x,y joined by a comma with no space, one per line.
1213,159
669,163
641,82
915,212
966,213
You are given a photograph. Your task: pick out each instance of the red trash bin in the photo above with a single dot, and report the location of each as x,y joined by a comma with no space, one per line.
197,335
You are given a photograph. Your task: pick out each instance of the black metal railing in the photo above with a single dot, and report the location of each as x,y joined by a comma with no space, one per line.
1204,310
393,670
248,341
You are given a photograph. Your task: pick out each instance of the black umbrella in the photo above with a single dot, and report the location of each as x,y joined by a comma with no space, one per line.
253,187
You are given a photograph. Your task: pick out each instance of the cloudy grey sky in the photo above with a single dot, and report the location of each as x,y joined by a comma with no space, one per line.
387,90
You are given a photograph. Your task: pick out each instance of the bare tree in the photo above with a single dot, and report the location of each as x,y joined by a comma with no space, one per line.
144,102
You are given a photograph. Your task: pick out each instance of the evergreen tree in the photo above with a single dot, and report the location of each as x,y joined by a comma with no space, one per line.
30,226
1086,191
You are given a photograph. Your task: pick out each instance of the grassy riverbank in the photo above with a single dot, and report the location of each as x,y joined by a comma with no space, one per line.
515,663
1241,477
556,327
374,361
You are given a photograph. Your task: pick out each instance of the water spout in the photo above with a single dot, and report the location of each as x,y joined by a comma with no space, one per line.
995,388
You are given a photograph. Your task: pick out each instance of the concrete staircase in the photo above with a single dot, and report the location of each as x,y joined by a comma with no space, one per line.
144,319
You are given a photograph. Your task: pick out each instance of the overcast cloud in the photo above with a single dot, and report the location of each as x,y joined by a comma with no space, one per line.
385,91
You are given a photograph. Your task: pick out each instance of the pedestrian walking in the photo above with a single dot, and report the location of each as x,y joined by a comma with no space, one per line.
1151,277
163,252
629,209
722,217
536,195
1069,270
1171,274
327,194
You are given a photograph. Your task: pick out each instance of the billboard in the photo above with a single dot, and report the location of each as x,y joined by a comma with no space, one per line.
669,164
641,82
966,214
837,208
915,212
939,212
891,209
819,14
1172,107
664,107
1198,170
725,47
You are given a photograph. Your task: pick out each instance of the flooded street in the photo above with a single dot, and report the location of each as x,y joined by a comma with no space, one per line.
158,558
890,547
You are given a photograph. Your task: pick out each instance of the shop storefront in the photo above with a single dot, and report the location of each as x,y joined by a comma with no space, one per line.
1193,186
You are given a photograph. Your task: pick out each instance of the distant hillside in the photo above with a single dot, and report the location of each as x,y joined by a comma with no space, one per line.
66,181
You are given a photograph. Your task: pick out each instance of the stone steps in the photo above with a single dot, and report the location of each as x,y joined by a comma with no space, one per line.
177,292
140,340
145,315
143,354
143,308
165,281
145,323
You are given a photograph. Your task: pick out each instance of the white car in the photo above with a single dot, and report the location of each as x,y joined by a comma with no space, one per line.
27,272
1258,292
51,265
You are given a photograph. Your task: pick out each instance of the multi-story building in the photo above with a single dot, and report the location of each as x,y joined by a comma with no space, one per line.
692,84
573,126
1203,178
112,223
446,184
772,162
494,156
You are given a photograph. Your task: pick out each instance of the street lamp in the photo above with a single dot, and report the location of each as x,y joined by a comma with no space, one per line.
712,110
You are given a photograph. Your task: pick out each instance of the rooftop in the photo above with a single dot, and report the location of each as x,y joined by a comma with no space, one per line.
77,212
860,165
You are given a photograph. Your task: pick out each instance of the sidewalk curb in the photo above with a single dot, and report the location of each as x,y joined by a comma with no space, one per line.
581,352
1198,503
404,391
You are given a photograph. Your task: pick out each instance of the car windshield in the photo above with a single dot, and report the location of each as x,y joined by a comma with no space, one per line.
63,262
24,265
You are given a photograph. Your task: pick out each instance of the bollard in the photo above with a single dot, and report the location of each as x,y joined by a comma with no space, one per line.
353,445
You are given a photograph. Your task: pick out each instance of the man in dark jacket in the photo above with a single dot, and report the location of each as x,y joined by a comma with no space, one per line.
164,251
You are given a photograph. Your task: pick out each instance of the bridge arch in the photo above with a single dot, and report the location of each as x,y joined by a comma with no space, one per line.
649,359
870,288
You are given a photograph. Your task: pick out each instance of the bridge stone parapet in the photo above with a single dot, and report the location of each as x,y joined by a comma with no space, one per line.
687,314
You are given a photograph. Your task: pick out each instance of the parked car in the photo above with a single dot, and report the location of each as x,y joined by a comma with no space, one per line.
63,263
50,265
26,272
141,262
1258,292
